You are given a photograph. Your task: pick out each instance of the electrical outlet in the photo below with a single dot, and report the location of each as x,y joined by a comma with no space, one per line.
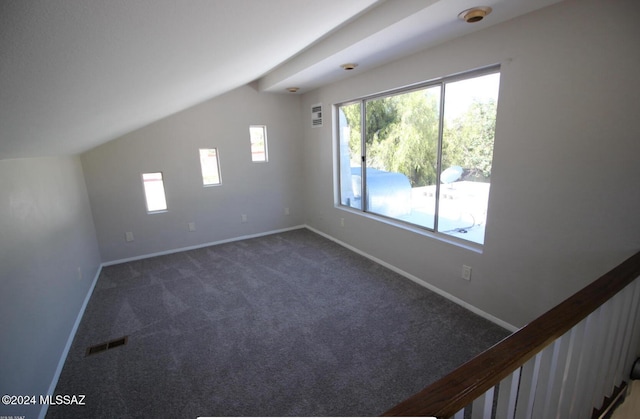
286,211
466,272
128,236
191,226
243,218
342,222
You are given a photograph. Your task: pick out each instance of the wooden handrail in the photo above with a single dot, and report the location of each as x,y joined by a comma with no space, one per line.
458,389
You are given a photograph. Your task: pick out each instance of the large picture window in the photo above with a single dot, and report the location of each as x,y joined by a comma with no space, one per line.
422,155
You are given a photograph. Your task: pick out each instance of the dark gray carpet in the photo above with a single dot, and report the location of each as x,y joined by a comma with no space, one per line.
289,324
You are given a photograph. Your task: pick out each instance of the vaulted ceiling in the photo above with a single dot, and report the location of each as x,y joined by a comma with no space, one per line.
77,73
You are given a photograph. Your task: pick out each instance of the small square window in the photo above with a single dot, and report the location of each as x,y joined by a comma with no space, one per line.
154,192
258,135
210,166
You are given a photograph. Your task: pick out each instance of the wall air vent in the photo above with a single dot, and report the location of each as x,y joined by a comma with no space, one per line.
92,350
316,115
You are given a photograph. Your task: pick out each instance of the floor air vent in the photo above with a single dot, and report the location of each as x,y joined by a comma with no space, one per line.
92,350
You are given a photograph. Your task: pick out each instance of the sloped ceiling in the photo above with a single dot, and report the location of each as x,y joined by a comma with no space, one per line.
77,73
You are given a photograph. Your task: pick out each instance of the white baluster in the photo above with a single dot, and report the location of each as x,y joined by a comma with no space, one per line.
570,375
508,396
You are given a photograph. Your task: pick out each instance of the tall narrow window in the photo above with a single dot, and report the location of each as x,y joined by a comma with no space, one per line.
423,155
258,136
210,166
154,192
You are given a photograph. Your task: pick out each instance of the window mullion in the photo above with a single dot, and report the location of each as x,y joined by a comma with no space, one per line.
363,157
439,156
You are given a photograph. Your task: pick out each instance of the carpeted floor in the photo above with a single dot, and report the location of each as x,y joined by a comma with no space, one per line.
289,324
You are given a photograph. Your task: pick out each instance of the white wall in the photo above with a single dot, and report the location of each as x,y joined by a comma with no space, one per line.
565,191
564,199
259,190
46,235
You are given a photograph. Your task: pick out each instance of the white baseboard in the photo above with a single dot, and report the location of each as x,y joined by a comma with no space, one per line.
421,282
67,347
198,246
65,352
399,271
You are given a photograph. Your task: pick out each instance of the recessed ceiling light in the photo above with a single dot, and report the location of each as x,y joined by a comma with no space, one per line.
349,66
475,14
293,89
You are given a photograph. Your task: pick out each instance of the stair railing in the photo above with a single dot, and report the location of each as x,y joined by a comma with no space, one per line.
561,365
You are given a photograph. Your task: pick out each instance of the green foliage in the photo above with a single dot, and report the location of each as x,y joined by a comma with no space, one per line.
402,136
468,140
381,116
352,113
410,141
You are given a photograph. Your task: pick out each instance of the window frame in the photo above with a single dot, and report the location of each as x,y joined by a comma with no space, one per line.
265,150
363,211
219,170
146,196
